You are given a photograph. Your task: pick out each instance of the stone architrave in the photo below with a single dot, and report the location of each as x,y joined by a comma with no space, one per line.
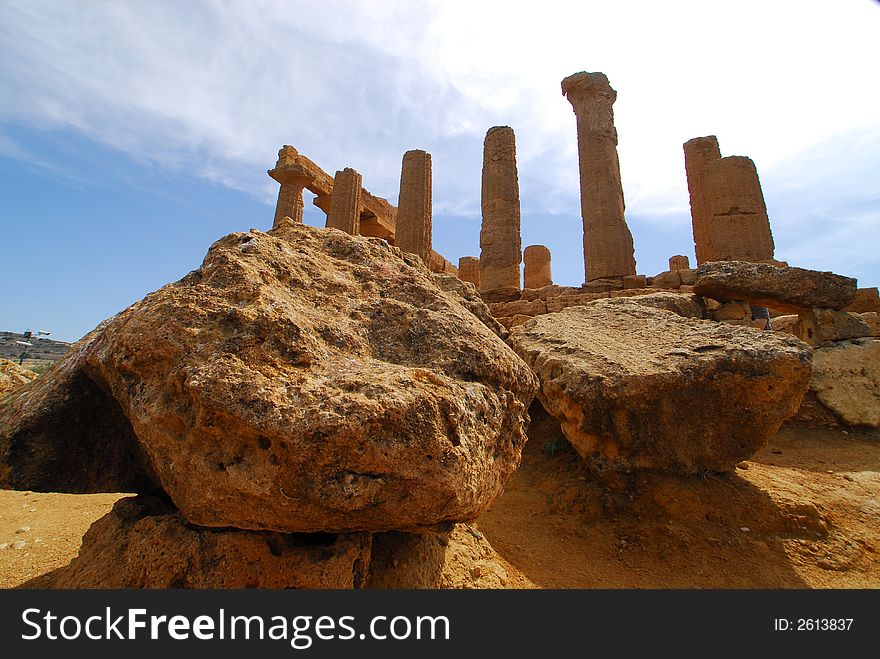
293,178
500,242
737,227
608,244
537,272
698,153
469,270
679,262
414,206
345,202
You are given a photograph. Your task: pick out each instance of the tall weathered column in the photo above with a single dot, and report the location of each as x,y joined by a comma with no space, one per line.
737,226
608,244
500,242
293,177
536,273
414,206
679,262
345,202
469,270
698,153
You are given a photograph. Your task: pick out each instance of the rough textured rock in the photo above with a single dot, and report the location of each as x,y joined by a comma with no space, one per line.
698,153
345,202
63,433
641,388
13,376
819,326
414,210
785,289
737,227
459,558
846,379
469,270
537,273
681,304
308,380
500,241
671,279
635,281
608,244
732,311
872,320
679,262
470,299
144,543
865,300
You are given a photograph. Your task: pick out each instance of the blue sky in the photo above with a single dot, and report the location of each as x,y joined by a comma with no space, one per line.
133,135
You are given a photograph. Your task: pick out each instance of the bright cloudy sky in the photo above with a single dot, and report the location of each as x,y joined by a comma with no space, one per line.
206,92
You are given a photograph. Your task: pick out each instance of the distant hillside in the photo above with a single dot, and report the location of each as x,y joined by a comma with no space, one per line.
41,349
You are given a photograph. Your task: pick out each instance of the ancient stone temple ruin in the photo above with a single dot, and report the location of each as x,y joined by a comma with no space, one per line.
293,177
730,221
414,206
536,273
345,202
608,244
500,243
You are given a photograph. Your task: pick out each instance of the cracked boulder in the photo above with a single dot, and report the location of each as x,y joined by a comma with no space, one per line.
300,380
636,387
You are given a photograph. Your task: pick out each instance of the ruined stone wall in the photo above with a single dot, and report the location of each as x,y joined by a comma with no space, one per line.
500,242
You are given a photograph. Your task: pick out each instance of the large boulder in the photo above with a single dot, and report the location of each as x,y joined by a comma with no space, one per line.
782,288
636,387
12,376
846,379
144,543
308,380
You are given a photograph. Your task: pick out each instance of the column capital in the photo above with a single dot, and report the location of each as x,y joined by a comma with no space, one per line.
591,94
292,173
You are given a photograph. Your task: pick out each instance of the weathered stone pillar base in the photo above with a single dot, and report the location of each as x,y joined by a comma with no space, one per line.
290,204
537,272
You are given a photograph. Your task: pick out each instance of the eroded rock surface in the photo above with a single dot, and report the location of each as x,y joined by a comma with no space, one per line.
846,379
641,388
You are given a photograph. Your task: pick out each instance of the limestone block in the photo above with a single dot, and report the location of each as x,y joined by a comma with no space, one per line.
688,276
872,320
679,262
526,307
634,281
866,299
564,301
671,279
345,202
732,311
846,379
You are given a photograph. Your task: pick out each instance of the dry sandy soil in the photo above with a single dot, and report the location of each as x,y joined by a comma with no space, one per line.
803,513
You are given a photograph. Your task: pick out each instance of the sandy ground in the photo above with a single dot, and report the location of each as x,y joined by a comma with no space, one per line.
803,513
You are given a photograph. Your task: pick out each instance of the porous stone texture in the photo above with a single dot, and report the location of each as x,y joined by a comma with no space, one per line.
846,379
63,433
679,262
307,380
636,387
293,178
145,543
414,206
670,279
635,281
536,273
457,558
469,270
345,202
872,320
732,311
737,227
470,299
785,289
608,244
865,300
13,376
819,326
698,153
500,241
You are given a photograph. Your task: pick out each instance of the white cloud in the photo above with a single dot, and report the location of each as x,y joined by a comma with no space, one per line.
215,88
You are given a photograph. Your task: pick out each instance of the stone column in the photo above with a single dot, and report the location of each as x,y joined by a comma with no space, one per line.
679,262
537,267
345,202
293,177
414,206
698,153
737,226
469,270
500,242
608,244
